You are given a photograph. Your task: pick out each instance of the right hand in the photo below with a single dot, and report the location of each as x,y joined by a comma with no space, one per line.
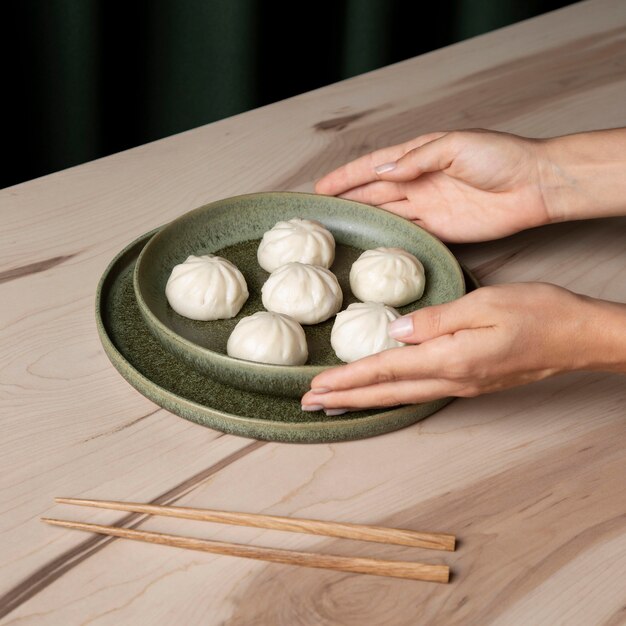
490,339
462,186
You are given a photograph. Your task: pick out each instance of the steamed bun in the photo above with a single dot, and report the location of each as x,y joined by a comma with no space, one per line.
268,337
206,288
308,293
389,275
297,240
361,330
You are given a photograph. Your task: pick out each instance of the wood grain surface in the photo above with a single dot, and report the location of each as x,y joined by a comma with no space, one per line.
531,480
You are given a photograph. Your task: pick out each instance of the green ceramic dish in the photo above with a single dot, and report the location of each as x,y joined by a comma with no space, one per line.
232,228
172,384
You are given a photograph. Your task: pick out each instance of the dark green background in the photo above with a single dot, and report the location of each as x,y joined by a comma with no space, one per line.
85,78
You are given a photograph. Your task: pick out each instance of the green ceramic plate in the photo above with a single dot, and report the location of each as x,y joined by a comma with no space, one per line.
172,384
232,228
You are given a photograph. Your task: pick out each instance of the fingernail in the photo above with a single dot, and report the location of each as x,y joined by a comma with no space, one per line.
385,167
311,407
320,389
331,412
402,327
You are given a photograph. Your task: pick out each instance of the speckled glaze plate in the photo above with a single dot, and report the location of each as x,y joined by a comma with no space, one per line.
175,386
232,228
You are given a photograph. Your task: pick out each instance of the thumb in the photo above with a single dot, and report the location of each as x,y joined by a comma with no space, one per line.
435,321
433,156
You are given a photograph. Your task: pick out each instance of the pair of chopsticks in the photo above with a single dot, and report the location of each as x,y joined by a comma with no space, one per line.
381,534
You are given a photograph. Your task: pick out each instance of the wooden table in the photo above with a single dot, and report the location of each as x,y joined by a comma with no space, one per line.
532,480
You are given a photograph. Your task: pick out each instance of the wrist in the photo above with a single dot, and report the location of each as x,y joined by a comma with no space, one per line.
582,176
603,346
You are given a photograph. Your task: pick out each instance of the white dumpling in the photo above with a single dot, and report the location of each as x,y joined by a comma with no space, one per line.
267,337
389,275
298,240
362,329
206,288
308,293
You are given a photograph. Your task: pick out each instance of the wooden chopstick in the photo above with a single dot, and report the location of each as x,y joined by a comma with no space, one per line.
381,534
359,565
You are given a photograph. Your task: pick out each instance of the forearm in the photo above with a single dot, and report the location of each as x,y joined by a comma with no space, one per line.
583,176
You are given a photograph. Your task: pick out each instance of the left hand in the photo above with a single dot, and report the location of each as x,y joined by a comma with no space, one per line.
493,338
462,186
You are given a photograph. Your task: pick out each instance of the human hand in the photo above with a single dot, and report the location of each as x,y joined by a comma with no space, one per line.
461,186
493,338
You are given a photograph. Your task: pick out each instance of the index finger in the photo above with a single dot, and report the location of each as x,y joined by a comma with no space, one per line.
414,362
361,170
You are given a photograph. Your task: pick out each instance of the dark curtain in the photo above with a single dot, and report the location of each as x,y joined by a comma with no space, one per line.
85,78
